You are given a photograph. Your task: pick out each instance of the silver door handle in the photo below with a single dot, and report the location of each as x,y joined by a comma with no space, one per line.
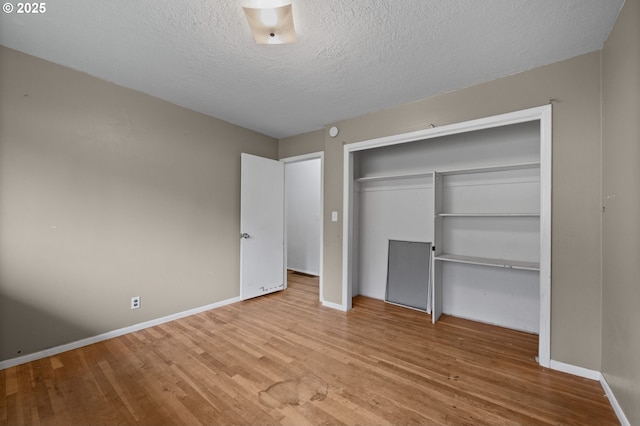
245,235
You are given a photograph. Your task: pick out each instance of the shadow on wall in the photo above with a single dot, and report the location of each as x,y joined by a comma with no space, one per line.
21,325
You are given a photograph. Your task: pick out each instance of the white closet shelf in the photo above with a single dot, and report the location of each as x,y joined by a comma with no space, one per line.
489,214
498,168
394,177
500,263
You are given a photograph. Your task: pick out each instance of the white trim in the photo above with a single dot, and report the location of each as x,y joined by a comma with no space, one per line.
614,402
111,334
544,341
542,113
305,157
347,229
333,305
574,370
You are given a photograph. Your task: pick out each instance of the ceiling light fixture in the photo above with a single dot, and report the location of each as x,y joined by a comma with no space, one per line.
272,24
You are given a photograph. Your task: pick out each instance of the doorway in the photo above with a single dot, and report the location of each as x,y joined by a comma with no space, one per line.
303,215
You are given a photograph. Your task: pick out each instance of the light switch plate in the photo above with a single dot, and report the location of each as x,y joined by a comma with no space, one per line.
334,216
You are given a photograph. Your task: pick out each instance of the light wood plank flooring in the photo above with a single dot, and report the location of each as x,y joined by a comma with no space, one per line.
284,359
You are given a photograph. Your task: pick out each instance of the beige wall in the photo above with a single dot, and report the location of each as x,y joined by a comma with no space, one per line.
107,193
305,143
621,219
576,284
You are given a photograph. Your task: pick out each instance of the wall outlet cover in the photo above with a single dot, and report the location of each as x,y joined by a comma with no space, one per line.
135,302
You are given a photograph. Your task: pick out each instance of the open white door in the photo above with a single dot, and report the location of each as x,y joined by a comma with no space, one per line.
261,226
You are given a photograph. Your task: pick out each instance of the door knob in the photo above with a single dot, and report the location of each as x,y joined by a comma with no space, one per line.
245,235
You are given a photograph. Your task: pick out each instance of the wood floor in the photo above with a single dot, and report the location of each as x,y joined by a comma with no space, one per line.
284,359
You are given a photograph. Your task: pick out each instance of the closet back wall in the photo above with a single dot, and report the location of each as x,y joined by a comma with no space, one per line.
402,209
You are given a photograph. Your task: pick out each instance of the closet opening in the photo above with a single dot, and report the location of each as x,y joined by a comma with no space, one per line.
479,193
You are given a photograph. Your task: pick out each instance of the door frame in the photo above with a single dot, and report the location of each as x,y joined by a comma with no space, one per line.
542,114
298,159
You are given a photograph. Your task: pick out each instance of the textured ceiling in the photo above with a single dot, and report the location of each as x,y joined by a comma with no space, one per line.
353,57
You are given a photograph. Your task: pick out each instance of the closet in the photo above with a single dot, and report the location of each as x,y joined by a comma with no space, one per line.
479,193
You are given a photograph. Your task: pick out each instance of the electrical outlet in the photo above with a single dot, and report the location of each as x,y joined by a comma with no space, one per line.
135,302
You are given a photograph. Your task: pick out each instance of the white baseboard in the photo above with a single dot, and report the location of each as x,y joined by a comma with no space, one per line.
111,334
575,370
614,402
593,375
334,305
